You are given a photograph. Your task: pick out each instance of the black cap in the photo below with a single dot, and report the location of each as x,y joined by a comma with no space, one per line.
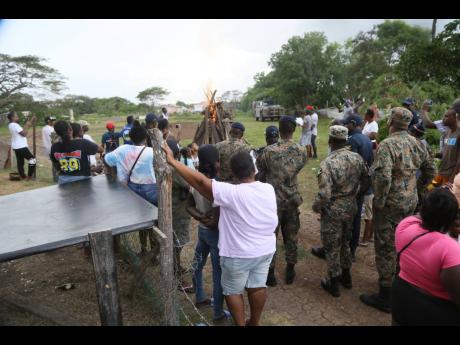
272,131
355,119
287,118
408,101
238,125
151,118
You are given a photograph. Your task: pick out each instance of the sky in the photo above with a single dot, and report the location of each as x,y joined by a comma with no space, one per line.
105,58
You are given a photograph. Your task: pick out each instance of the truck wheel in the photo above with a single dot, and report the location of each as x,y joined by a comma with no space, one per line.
257,119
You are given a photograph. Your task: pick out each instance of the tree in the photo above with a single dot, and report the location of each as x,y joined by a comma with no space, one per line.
151,95
21,73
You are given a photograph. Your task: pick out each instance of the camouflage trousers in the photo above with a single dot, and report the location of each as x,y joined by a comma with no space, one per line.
384,241
336,232
289,223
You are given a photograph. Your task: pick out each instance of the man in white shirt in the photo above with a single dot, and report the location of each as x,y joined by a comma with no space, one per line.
19,144
247,223
314,129
46,134
164,114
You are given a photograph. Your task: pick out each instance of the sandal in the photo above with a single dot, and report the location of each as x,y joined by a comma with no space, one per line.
204,303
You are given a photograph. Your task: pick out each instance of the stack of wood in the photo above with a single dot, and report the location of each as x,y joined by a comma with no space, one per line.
215,126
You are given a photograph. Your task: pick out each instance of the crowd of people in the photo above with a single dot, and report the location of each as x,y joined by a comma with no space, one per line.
243,197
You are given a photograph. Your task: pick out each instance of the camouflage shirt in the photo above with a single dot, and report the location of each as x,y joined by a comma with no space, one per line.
279,164
397,159
342,175
226,149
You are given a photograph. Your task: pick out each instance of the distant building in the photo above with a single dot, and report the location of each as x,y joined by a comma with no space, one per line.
199,107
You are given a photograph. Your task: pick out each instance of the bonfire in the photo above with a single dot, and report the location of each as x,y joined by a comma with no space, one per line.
216,123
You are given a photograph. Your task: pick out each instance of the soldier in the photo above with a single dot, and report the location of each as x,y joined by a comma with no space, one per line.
341,177
397,159
229,147
272,136
279,165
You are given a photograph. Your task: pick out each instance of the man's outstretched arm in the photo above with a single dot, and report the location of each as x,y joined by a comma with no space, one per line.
196,179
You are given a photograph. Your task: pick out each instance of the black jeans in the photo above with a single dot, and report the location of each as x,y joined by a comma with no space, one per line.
356,226
313,144
21,154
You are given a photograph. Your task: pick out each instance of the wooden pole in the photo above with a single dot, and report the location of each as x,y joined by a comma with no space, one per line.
105,274
168,284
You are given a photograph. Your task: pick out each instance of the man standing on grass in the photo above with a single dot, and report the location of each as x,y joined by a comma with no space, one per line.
47,130
314,129
397,160
19,144
279,164
247,223
342,176
229,147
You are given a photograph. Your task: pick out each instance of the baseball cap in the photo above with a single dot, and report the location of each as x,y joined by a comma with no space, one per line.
408,101
288,118
401,117
110,125
49,118
271,131
238,125
83,123
355,119
310,107
150,118
338,132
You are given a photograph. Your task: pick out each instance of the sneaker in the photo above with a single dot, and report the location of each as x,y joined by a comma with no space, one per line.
224,319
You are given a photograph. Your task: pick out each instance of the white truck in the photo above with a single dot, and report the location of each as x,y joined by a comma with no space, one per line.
263,110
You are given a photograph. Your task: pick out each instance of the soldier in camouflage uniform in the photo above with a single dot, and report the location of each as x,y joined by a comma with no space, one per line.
279,165
228,148
394,169
181,218
341,177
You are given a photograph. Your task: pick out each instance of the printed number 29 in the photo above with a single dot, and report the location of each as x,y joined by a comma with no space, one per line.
69,165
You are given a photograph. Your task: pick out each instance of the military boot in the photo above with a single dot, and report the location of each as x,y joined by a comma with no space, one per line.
290,273
319,252
345,279
380,301
331,285
271,279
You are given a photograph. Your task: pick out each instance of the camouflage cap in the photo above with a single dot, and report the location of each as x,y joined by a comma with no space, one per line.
401,117
338,132
83,123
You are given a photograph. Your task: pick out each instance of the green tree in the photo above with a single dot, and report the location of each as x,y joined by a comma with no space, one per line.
21,73
151,95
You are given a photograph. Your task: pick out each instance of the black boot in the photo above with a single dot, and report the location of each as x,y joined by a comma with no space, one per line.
290,273
319,252
271,279
345,279
380,301
331,285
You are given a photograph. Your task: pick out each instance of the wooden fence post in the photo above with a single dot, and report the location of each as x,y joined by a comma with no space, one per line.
105,272
163,175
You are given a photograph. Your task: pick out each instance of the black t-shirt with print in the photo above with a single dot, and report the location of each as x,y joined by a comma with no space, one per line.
73,159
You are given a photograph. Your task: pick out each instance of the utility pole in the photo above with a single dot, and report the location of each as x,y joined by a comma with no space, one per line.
433,30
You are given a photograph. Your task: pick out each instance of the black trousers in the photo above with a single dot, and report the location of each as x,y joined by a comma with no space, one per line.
410,307
313,144
21,155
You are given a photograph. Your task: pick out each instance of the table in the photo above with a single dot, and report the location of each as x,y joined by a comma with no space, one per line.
54,217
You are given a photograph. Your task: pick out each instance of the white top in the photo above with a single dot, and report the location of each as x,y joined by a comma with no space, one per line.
314,118
164,116
92,158
370,127
46,138
17,140
125,156
248,218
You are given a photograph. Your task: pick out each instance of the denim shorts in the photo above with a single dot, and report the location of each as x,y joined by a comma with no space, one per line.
239,273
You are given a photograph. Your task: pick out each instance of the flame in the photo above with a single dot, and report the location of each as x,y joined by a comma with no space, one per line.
211,104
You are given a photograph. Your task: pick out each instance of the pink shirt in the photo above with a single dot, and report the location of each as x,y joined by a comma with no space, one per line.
421,263
248,218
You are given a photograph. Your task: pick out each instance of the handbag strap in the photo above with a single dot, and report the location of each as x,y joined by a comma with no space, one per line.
132,168
405,247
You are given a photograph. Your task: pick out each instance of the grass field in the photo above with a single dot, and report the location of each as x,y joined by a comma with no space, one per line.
254,134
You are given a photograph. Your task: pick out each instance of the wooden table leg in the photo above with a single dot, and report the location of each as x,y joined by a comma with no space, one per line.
105,272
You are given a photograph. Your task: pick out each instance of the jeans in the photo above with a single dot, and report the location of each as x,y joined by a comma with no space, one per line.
207,243
63,179
356,226
147,191
21,155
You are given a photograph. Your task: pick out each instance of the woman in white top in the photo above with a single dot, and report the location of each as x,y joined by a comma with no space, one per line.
305,138
371,127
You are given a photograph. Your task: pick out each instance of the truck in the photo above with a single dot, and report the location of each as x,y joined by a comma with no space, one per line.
263,110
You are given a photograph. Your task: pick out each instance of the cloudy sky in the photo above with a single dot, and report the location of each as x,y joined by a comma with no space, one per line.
104,58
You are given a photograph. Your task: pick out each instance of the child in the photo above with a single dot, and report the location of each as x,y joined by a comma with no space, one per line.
208,236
